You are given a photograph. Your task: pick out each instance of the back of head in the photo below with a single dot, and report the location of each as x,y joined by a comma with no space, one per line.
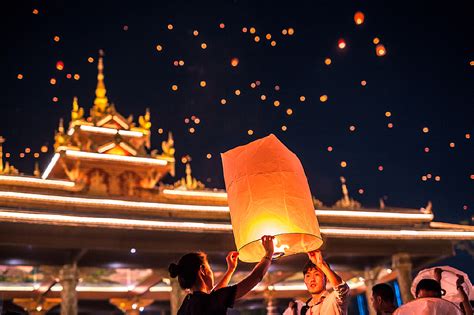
187,269
385,292
429,285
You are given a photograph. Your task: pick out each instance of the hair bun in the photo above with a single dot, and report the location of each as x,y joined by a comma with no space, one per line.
173,270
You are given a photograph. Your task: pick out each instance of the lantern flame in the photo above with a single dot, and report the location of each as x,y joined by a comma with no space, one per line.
279,251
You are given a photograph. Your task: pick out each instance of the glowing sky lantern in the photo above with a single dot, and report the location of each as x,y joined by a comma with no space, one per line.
268,194
60,65
380,50
234,62
359,18
341,43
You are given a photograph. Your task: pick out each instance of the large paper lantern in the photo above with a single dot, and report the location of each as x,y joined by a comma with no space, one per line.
268,194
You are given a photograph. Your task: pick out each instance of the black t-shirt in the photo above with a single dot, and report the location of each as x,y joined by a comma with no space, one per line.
215,303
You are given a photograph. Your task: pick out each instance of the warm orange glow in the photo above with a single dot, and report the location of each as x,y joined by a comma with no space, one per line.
361,191
35,11
302,98
19,76
192,130
160,131
284,31
388,114
291,31
452,145
209,156
68,75
221,25
159,47
55,99
341,44
263,97
390,125
323,98
244,29
253,85
352,128
257,38
327,61
472,176
170,26
195,32
274,199
27,150
437,178
467,135
52,81
203,45
174,87
284,128
77,77
343,164
237,92
175,63
359,18
223,101
90,60
268,36
44,149
276,103
250,132
60,65
273,43
289,111
363,83
426,129
252,30
197,121
376,40
428,175
202,83
22,155
234,62
423,178
380,50
56,39
181,63
330,149
471,63
7,155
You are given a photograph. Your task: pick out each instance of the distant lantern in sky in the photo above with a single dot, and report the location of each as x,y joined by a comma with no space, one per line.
363,83
35,11
329,149
467,135
52,81
223,101
289,111
90,60
268,194
252,30
291,31
56,38
273,43
44,149
203,83
234,62
380,50
174,87
359,18
237,92
268,36
19,76
55,99
388,114
361,191
380,168
159,47
284,31
302,98
170,26
60,65
263,97
452,144
327,61
472,176
221,25
257,38
253,85
343,164
341,43
250,132
352,128
323,98
209,156
195,32
203,45
390,125
244,30
376,40
284,128
426,129
427,150
276,103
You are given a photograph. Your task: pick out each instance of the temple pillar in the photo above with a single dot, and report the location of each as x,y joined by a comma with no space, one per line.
131,306
68,277
370,278
37,306
401,262
271,306
177,296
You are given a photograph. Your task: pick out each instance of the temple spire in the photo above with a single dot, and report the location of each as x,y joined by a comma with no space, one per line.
2,140
101,101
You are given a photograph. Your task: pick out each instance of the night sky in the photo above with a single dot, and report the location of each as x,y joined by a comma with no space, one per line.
426,79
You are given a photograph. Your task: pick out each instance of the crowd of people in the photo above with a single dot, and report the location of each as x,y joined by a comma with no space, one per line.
205,298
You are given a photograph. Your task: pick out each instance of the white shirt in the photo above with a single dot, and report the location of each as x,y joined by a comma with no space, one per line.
334,303
428,306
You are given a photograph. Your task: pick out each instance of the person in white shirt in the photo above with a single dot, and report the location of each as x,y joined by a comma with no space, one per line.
316,272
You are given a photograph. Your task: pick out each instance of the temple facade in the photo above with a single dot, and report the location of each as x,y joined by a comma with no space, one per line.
96,230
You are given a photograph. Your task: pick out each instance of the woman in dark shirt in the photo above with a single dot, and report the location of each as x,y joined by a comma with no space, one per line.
194,273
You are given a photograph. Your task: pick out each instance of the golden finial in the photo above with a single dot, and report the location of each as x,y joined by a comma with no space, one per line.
2,140
189,182
101,101
428,209
381,204
60,137
37,172
168,146
77,112
144,121
346,202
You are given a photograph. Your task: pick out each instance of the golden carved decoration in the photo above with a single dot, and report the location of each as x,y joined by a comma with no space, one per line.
77,112
168,146
100,102
144,121
151,179
60,137
189,182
